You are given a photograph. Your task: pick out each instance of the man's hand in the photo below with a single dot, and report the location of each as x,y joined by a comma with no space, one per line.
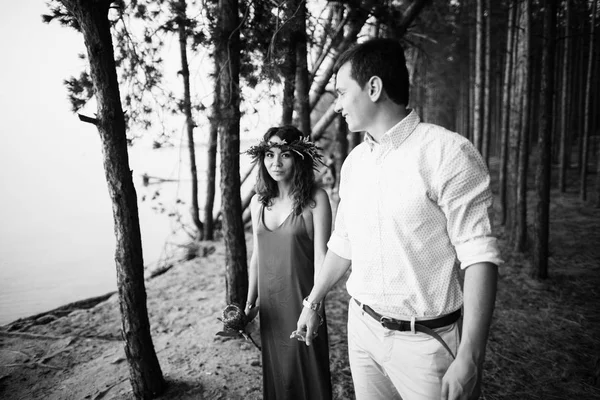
462,381
309,323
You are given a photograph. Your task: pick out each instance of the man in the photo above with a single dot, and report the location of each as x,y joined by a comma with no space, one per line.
413,211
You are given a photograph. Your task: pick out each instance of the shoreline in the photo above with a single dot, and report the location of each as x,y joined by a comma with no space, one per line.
55,313
151,271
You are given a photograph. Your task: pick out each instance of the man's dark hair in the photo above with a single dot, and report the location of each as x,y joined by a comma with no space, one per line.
379,57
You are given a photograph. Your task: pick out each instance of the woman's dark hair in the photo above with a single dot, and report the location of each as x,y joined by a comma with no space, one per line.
380,57
303,177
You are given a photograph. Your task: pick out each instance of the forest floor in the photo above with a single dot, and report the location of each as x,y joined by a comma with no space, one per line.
544,341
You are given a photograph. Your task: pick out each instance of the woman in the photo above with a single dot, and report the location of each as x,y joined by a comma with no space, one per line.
291,220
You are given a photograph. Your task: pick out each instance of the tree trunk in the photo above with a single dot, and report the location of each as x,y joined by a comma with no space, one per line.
487,89
514,127
506,96
412,12
464,85
211,165
286,41
564,114
594,106
581,91
472,42
342,148
302,82
336,18
520,241
145,373
227,54
478,89
542,176
180,9
323,123
586,109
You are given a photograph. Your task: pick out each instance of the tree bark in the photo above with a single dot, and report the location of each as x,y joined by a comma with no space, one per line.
487,88
472,43
411,13
342,147
478,89
582,74
180,9
323,123
145,373
211,164
542,182
564,114
336,17
587,117
506,95
286,40
464,85
596,124
514,127
520,241
302,80
227,54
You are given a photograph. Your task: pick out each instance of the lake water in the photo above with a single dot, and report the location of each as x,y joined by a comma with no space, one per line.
57,231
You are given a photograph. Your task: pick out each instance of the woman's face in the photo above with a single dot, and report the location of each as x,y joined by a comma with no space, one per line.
279,164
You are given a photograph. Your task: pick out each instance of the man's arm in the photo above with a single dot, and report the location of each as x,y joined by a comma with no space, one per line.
463,187
321,227
333,268
462,381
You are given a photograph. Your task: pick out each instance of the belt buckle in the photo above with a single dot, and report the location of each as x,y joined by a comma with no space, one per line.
384,320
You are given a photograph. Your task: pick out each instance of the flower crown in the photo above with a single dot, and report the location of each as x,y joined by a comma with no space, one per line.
303,147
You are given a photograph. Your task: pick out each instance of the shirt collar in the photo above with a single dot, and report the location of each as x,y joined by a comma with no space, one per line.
398,133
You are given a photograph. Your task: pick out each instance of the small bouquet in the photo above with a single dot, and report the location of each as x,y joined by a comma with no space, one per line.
234,323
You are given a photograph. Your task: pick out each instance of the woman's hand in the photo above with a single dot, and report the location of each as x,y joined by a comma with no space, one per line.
250,312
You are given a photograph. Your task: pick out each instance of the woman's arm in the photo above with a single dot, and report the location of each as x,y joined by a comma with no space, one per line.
252,298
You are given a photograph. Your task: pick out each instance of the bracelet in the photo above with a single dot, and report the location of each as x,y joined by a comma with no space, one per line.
313,306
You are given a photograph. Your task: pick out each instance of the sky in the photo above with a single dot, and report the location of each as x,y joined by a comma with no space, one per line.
36,116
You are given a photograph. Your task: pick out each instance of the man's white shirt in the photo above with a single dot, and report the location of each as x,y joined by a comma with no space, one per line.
413,209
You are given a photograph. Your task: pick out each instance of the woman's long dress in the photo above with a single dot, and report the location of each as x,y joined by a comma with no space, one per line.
291,370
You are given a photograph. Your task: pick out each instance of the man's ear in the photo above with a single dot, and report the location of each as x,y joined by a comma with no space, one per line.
375,88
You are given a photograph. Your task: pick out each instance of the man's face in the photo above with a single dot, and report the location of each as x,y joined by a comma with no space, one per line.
352,101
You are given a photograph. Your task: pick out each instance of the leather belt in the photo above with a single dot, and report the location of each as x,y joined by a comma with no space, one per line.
399,325
425,326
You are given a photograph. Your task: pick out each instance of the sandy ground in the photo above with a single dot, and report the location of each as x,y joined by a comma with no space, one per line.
77,353
544,341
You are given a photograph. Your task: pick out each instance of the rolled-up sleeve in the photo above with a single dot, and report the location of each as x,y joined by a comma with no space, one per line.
339,241
466,200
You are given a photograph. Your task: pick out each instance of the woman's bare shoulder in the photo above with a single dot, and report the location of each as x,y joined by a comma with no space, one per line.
254,203
319,195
